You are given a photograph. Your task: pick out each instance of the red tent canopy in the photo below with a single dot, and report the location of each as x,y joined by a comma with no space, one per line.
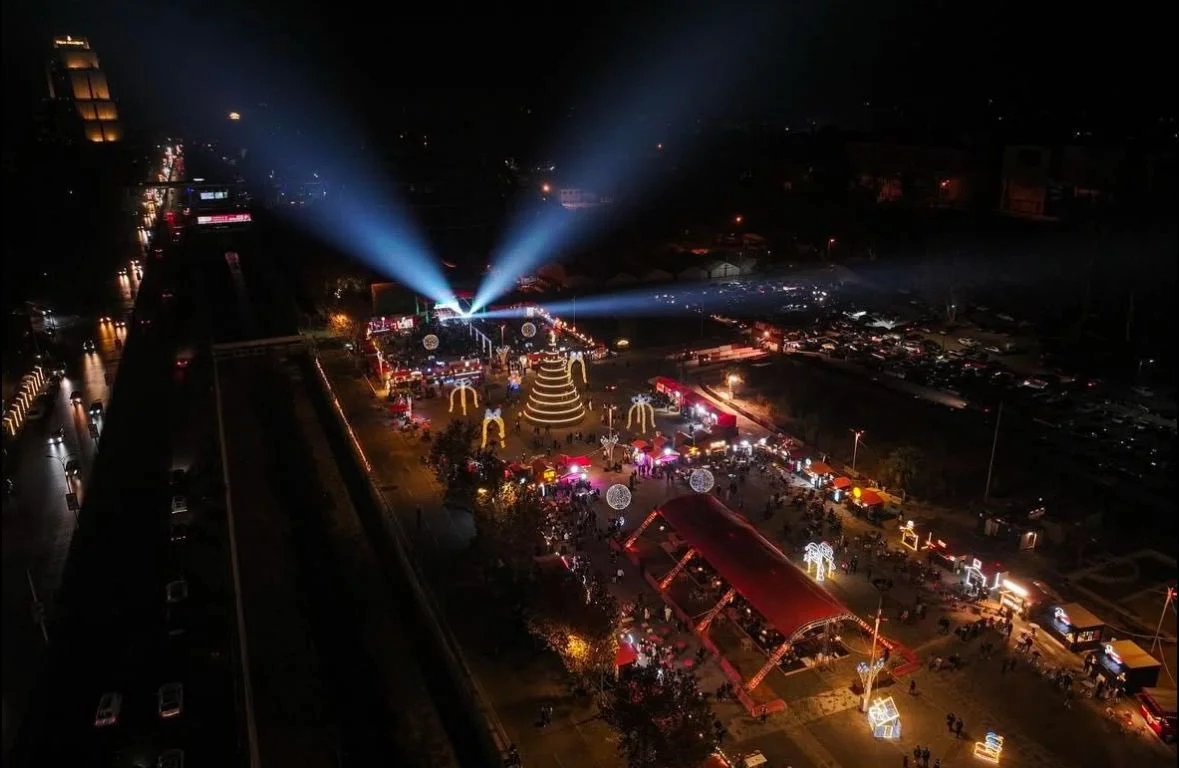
779,591
565,460
870,498
841,482
625,654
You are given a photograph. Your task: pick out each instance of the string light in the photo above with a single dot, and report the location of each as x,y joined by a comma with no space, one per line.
554,400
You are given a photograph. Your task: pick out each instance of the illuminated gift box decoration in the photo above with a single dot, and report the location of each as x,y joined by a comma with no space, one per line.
884,719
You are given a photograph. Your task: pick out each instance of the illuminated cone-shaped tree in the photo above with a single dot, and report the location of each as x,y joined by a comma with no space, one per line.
553,400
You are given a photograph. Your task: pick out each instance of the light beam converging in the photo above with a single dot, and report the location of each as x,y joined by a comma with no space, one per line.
360,214
637,111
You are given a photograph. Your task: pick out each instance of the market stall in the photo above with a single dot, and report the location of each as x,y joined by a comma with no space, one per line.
1125,664
1074,626
818,473
867,503
1016,597
840,487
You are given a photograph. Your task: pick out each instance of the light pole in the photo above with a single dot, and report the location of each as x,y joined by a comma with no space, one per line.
869,675
1141,362
830,242
994,447
856,447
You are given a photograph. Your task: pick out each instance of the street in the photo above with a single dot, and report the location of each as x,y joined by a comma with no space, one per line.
37,523
108,628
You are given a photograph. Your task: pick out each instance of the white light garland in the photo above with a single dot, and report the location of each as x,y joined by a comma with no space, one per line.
618,496
701,480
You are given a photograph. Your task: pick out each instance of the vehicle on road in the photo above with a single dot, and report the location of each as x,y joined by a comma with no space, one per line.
178,532
96,409
76,397
184,357
57,437
171,700
176,591
73,468
109,706
89,346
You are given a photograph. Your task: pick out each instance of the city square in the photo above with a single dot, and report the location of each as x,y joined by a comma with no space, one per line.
804,712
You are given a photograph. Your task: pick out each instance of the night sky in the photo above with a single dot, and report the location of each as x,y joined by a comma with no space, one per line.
174,63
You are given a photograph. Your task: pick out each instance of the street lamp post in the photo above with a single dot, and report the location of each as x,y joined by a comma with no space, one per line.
830,242
872,668
856,447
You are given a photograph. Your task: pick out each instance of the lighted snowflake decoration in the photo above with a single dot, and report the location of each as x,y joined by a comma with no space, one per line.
618,496
528,330
430,342
701,480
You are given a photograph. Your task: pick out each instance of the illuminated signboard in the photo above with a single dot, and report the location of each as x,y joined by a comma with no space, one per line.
216,194
1112,655
225,218
1062,617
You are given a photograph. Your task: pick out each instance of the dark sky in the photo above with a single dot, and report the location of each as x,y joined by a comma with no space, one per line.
174,62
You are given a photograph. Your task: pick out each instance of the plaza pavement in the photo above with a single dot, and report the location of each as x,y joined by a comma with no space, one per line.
817,729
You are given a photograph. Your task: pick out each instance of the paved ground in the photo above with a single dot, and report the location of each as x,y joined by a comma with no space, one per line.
821,726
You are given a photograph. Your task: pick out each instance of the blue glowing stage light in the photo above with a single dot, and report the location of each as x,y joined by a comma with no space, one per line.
638,109
369,223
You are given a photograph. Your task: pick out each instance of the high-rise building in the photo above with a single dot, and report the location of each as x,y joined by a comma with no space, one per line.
80,97
553,400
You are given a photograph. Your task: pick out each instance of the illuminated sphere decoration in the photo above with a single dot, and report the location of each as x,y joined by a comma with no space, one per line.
528,330
430,342
701,480
618,496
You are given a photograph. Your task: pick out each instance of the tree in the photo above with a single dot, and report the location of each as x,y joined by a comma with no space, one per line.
902,467
509,519
451,455
576,620
662,719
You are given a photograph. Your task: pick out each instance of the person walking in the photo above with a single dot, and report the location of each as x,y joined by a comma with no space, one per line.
958,728
925,757
912,687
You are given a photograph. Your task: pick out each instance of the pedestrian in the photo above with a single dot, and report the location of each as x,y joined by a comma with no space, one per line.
917,755
667,613
925,757
937,763
912,687
958,728
950,721
904,761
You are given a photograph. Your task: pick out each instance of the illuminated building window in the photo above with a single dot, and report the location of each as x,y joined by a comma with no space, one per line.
106,110
87,110
80,84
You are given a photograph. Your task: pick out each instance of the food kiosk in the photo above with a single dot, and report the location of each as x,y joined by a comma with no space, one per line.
1124,663
840,487
1075,626
817,473
982,576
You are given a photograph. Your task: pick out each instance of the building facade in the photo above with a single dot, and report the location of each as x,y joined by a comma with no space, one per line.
80,101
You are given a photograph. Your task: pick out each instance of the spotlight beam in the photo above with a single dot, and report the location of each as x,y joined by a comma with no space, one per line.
631,116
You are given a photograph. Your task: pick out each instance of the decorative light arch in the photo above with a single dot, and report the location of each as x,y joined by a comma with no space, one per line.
579,358
461,389
821,557
490,417
641,410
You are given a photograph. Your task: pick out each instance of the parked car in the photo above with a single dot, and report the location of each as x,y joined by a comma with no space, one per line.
170,700
109,706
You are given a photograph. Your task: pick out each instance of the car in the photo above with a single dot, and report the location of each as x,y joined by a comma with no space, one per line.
178,532
73,468
89,346
179,504
171,758
76,397
104,319
122,273
109,706
96,408
170,699
57,437
120,324
176,591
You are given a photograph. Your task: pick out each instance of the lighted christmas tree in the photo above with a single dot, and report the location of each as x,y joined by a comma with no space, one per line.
553,400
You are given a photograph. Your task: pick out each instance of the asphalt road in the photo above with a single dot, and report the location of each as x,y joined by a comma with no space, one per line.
37,523
108,630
